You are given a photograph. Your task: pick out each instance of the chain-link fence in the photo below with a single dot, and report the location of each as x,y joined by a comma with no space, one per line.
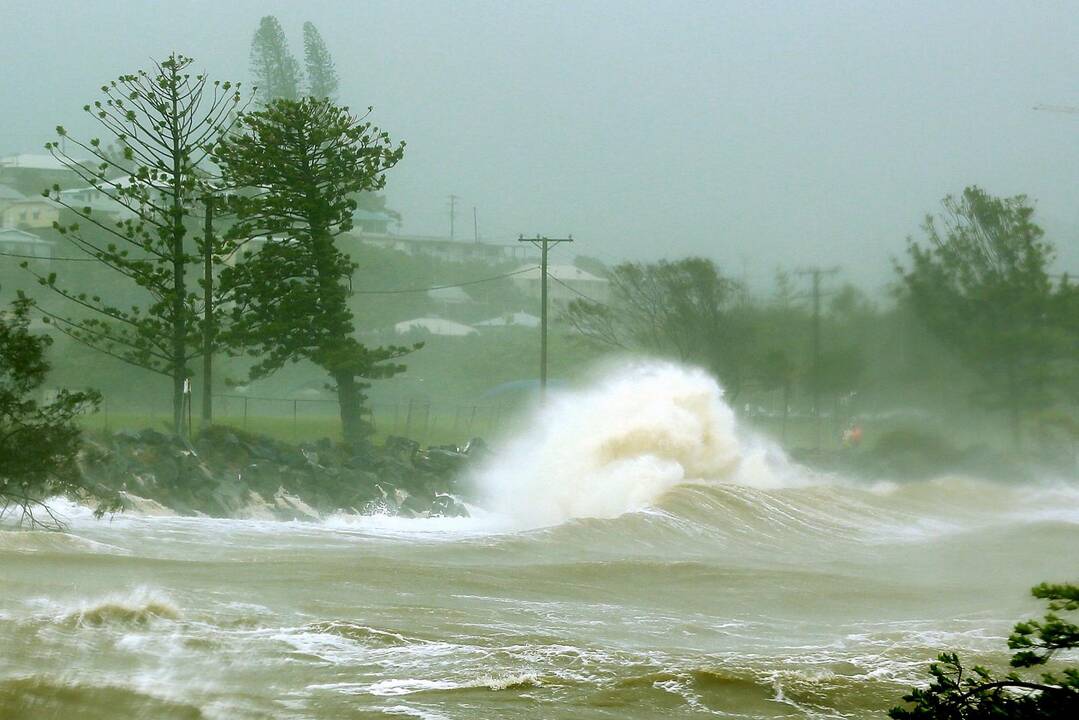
298,419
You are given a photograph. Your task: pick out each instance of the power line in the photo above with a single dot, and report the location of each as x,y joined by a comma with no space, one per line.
453,208
575,290
544,244
816,273
443,287
355,292
38,257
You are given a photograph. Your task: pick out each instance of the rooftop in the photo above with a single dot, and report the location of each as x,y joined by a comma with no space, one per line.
435,326
32,162
517,319
565,273
10,194
14,235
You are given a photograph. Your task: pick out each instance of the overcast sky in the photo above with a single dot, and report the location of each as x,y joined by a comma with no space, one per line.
758,134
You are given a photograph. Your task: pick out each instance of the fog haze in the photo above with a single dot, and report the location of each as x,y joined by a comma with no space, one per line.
756,134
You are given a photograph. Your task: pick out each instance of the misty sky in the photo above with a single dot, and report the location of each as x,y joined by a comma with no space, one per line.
757,134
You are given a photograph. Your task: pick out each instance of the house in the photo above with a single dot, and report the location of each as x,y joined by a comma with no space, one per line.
450,296
447,250
9,195
564,283
434,326
376,222
98,200
31,174
24,245
517,319
30,212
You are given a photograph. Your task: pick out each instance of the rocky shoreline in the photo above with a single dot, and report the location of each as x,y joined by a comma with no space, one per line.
224,472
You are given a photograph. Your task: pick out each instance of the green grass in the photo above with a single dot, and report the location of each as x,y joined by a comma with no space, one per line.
441,426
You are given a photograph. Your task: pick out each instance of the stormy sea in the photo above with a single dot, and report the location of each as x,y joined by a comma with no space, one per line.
634,553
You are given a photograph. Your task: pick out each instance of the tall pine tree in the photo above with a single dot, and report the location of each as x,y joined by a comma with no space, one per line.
304,162
165,122
275,72
321,74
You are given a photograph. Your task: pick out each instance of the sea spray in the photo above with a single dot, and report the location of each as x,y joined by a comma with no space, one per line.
621,443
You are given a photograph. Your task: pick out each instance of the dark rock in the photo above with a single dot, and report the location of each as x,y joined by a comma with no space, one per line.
229,472
476,447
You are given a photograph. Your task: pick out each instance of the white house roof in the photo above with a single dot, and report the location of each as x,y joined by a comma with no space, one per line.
96,200
435,326
32,162
10,194
14,235
449,295
517,319
565,273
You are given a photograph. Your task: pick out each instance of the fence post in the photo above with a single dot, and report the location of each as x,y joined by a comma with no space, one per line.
245,412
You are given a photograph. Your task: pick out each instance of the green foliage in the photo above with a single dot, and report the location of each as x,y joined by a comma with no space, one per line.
39,441
592,265
982,285
275,72
685,308
960,693
164,124
321,73
303,162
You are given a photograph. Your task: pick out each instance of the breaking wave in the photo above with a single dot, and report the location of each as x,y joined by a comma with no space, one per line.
618,446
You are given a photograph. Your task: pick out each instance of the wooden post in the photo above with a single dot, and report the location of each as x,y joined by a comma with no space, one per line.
208,314
543,243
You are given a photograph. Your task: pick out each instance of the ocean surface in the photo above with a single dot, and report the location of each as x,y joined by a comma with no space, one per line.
635,554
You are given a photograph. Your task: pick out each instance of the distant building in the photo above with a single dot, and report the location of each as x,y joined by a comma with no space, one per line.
24,245
450,296
30,212
9,195
517,319
31,174
447,250
434,326
376,222
564,283
99,201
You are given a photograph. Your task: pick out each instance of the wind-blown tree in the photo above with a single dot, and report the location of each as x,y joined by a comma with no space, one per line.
981,284
685,309
275,72
303,162
39,441
164,123
958,692
321,74
776,370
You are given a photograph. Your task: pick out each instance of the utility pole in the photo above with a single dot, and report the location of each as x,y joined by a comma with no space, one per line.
543,243
475,225
816,273
453,210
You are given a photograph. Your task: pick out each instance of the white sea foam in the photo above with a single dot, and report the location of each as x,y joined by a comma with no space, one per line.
619,445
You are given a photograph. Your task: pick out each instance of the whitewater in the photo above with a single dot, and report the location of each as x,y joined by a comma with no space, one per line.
632,552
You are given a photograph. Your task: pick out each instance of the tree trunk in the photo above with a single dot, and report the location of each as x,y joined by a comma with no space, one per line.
786,408
1014,411
348,399
179,294
348,396
209,329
